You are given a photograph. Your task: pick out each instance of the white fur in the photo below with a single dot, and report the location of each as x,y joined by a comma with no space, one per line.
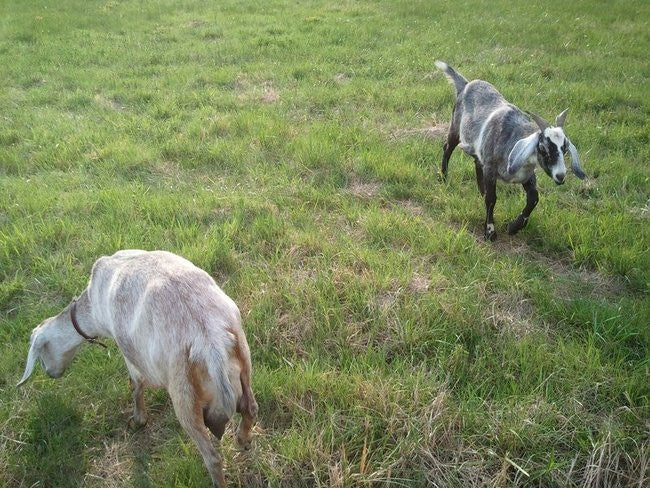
441,65
478,143
556,135
176,329
558,172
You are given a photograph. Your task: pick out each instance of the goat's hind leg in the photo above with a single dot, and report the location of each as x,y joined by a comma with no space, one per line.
189,412
490,185
532,197
247,407
453,139
479,175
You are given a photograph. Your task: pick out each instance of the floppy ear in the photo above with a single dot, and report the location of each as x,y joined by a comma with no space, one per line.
559,120
520,153
34,353
575,161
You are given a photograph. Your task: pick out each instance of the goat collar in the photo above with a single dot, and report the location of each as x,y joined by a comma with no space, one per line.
75,324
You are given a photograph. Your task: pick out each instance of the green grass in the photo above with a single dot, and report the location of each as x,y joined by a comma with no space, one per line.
278,145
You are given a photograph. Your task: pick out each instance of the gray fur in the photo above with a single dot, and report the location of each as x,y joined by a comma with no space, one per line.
454,77
575,161
504,142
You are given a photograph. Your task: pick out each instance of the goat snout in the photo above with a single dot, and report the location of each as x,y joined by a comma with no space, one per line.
53,374
559,178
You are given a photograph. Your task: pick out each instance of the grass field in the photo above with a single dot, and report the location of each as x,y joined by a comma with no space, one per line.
291,149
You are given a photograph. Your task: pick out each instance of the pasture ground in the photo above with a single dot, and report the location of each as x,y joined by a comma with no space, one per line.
292,149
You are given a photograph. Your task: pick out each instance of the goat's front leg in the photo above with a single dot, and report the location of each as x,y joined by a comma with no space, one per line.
139,417
532,196
490,186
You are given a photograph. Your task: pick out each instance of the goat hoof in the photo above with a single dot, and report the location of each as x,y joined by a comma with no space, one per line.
490,233
517,224
244,444
136,422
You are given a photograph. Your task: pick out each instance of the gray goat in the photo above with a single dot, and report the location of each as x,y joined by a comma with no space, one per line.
505,144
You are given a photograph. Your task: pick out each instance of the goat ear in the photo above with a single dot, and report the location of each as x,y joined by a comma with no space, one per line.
559,120
575,161
541,123
34,353
523,149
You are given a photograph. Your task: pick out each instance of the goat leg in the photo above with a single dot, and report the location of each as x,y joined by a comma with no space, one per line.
490,186
139,417
190,415
532,197
479,175
450,145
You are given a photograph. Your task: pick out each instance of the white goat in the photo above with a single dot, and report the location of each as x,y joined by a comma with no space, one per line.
505,144
176,329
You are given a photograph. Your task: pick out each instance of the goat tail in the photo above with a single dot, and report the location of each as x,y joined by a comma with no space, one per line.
217,386
453,76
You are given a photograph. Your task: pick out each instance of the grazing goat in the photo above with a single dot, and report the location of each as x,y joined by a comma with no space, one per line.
505,144
176,329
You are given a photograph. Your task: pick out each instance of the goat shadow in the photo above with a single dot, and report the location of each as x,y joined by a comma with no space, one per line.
53,455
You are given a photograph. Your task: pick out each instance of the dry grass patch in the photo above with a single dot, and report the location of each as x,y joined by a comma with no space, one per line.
270,94
195,24
264,92
110,102
643,212
113,467
386,301
511,314
410,207
419,283
609,465
434,132
341,78
363,189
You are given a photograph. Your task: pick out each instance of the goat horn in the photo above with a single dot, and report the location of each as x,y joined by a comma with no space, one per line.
541,123
559,120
